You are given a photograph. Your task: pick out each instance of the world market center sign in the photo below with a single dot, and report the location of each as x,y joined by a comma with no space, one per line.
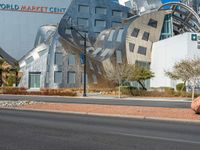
33,9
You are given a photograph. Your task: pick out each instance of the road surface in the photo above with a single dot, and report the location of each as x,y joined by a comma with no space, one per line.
102,101
27,130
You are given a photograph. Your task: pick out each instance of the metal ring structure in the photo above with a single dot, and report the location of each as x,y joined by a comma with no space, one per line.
184,17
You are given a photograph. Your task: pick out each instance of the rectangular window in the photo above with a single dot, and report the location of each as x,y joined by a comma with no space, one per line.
34,80
71,59
58,59
153,23
135,32
29,60
110,38
142,50
58,77
42,52
83,22
83,9
101,11
119,36
71,77
119,56
116,13
131,47
145,36
100,23
94,79
116,24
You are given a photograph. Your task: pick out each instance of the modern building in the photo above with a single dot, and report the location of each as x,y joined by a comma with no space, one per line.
113,36
21,19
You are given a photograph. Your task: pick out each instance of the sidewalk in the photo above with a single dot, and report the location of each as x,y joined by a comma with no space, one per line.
118,111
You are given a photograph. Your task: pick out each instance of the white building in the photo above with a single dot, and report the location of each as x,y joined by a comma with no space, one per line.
166,53
21,19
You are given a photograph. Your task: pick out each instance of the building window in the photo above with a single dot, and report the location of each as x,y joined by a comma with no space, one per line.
153,23
142,50
58,77
29,60
116,24
94,79
71,77
58,59
145,36
110,38
42,52
101,11
83,21
198,46
135,32
83,9
131,47
119,56
71,59
116,13
119,36
34,80
100,23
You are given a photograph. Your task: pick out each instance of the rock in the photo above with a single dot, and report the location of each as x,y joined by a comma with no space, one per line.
196,105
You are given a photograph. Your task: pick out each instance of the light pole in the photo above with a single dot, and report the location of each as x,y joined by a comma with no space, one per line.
84,61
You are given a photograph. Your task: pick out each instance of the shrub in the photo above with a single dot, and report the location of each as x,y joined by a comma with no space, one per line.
59,92
181,87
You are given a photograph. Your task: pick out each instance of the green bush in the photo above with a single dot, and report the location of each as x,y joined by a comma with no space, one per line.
181,87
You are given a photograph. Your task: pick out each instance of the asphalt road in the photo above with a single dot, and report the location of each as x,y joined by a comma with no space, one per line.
101,101
27,130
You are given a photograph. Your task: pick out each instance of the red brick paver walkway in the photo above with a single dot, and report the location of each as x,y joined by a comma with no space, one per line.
173,113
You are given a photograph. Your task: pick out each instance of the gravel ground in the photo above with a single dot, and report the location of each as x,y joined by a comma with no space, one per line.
174,113
11,104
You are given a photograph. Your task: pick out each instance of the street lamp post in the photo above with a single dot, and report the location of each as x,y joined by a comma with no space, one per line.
84,61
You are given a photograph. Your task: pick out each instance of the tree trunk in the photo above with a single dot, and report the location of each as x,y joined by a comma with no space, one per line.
183,86
193,89
143,87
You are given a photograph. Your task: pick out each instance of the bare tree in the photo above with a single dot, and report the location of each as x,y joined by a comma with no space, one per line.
187,70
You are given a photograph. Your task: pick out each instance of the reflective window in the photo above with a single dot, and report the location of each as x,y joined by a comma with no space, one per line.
58,59
58,77
71,59
116,24
142,50
42,52
100,11
135,32
71,78
116,13
145,36
100,23
131,47
119,56
110,38
153,23
83,9
83,21
34,80
119,36
94,79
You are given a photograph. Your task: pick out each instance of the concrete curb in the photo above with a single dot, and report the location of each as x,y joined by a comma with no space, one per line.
112,115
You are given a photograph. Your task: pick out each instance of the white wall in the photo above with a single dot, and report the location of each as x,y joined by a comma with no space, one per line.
166,53
18,29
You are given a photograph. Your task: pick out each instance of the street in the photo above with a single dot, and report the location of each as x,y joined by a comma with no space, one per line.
28,130
103,101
